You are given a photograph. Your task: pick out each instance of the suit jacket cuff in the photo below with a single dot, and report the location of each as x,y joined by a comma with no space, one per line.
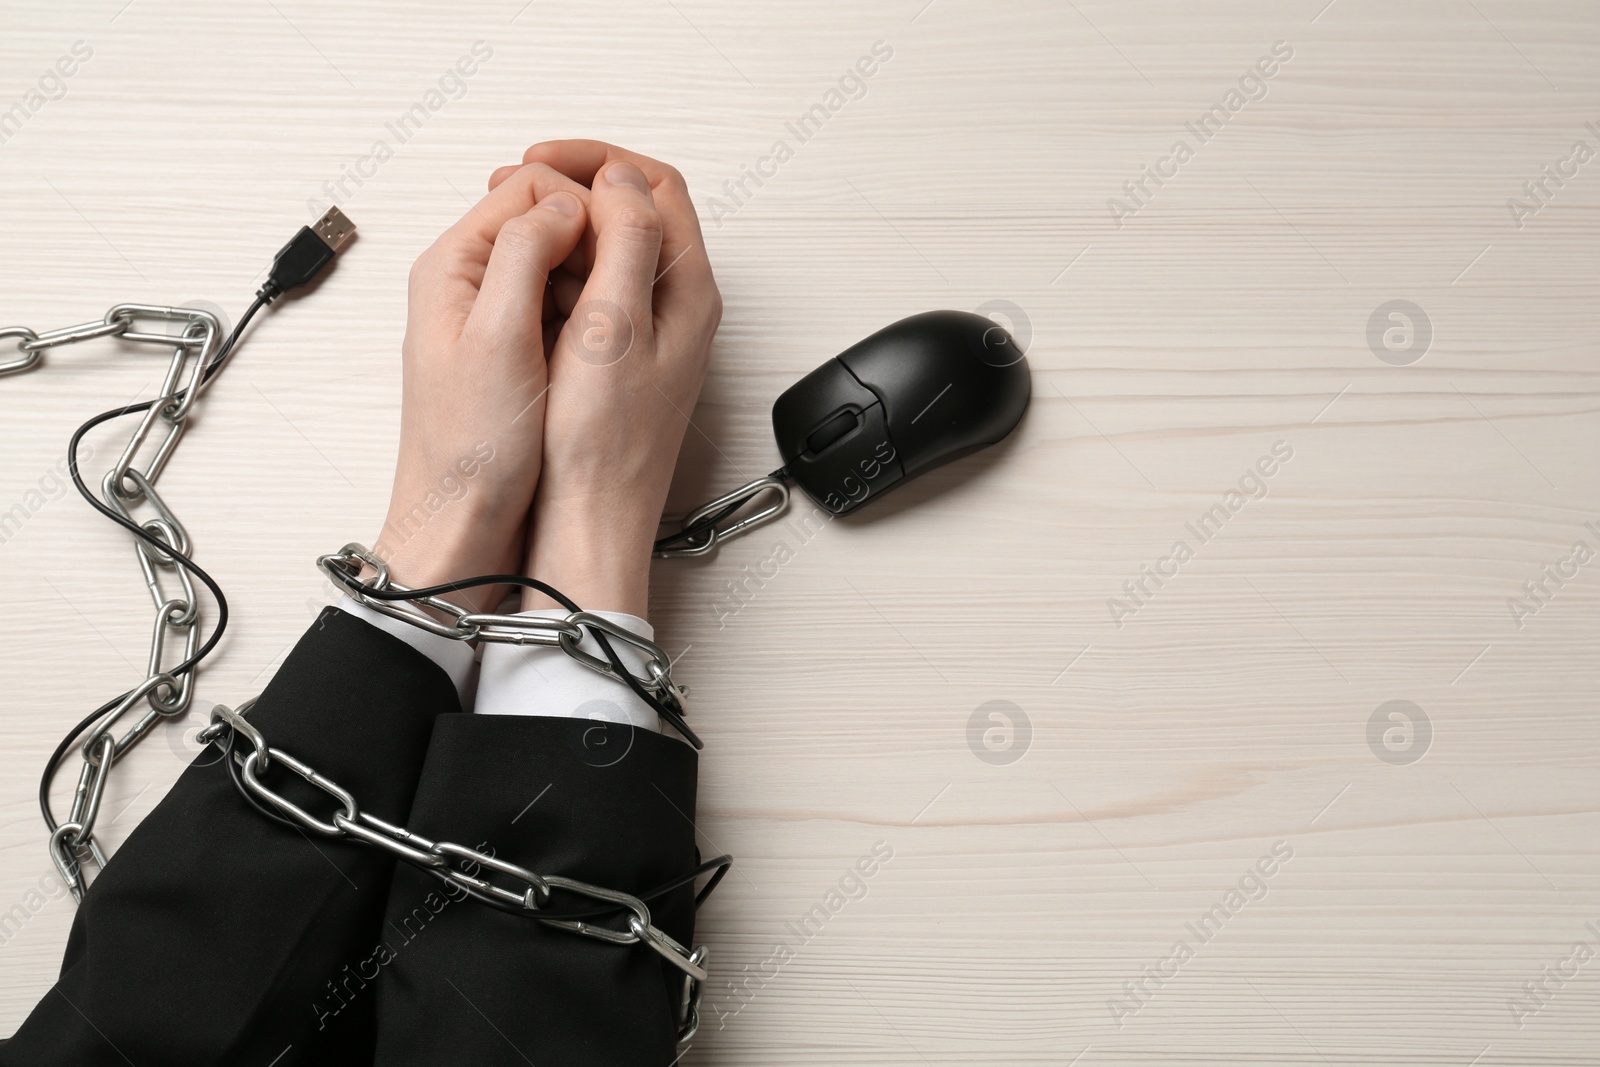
607,803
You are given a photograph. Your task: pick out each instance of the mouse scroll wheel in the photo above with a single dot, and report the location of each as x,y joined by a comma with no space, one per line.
832,430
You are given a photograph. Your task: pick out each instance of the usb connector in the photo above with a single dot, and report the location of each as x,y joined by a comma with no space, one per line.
334,229
308,253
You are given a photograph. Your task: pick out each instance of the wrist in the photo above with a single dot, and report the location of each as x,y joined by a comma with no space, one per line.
448,548
598,558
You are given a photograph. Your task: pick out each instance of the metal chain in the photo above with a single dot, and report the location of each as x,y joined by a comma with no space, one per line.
127,488
700,531
168,691
520,889
345,566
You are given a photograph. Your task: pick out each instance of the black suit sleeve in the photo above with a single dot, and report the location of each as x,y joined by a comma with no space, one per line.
464,983
214,935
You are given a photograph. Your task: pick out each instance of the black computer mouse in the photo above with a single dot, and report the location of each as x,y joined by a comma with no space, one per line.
917,394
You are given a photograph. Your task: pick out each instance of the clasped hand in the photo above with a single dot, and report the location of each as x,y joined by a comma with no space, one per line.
556,340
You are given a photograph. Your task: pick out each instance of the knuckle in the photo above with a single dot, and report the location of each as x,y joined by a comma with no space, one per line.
673,177
540,176
637,223
713,308
423,269
712,319
523,235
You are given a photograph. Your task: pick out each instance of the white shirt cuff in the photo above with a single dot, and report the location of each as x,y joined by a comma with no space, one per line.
455,658
544,680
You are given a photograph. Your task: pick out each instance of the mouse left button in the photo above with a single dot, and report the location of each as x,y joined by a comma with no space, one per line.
834,439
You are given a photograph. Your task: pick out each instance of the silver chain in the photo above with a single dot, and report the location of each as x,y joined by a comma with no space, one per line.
347,563
531,891
127,489
691,541
465,867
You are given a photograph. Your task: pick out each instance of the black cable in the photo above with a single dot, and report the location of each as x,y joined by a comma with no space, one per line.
723,864
306,255
53,764
354,584
689,534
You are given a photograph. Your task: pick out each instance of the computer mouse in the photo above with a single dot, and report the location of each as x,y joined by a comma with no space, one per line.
915,395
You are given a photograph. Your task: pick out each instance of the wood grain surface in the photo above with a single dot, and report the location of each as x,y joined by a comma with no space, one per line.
1055,857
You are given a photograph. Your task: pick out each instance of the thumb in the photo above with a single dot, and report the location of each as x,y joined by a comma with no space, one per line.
510,299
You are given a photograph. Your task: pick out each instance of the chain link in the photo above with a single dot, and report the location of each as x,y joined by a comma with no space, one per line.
701,530
176,632
517,888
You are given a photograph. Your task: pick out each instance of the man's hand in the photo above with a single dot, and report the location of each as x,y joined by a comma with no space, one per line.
473,408
635,310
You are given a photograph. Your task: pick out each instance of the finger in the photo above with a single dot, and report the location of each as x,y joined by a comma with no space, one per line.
561,295
499,175
462,252
511,299
565,290
552,334
627,246
582,259
683,265
581,160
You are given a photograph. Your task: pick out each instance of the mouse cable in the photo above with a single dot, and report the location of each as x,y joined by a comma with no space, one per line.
305,256
702,529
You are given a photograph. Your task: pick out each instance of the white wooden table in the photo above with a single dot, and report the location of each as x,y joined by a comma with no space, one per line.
1045,896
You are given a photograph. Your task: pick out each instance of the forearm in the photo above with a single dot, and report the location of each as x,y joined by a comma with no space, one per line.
214,930
468,984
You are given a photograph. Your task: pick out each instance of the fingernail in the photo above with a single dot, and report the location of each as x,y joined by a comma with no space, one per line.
565,203
629,175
